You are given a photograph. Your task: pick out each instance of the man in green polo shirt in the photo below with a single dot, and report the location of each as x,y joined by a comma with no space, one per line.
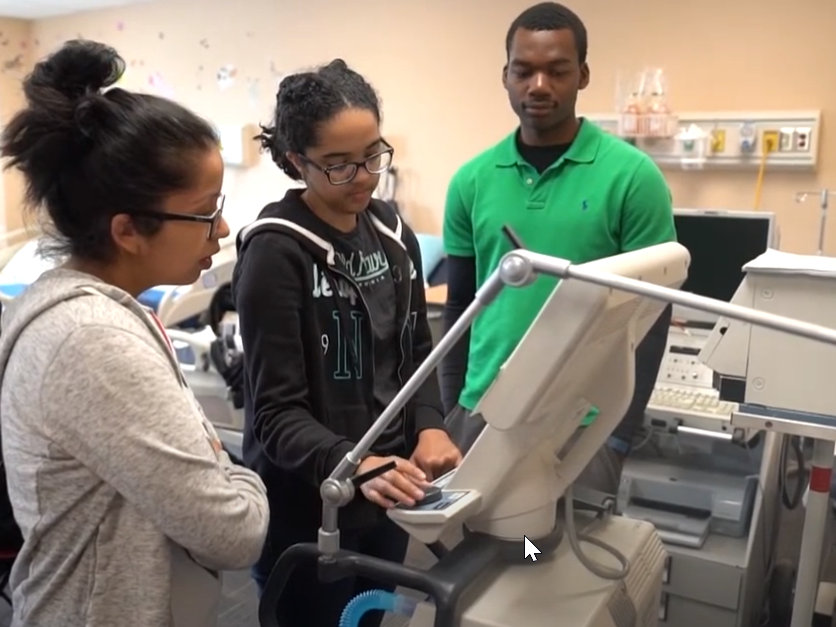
568,189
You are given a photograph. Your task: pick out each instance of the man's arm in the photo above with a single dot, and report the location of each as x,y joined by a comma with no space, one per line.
646,220
461,290
647,214
461,285
428,411
649,354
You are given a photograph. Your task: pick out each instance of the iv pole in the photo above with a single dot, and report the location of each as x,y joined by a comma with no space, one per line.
807,579
823,195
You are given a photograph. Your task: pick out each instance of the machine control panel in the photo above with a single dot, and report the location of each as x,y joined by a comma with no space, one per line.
440,500
681,364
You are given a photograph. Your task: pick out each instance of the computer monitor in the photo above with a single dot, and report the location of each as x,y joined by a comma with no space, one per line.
720,243
578,353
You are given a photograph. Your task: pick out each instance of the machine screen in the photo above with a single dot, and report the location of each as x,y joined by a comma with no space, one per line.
720,245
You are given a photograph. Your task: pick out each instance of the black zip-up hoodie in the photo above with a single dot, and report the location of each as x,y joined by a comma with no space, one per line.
300,421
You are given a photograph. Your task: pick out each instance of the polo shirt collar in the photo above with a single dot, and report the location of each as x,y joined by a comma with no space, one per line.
583,149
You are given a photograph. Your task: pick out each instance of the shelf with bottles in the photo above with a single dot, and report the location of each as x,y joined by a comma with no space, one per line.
647,125
643,107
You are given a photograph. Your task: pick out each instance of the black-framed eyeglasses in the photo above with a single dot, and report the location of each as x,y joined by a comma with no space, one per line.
344,173
213,219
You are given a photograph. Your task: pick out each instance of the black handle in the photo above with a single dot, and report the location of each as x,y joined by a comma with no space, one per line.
360,479
345,564
516,242
470,563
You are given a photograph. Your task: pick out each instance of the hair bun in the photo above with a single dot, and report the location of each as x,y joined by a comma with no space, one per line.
336,66
298,89
79,68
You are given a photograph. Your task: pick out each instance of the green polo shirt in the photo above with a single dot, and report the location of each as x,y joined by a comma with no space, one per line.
601,198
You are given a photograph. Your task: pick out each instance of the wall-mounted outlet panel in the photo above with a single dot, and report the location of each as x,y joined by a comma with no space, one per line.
786,139
742,142
771,139
718,140
802,139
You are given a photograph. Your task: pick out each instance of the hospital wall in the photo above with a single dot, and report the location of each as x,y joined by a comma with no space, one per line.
437,63
15,57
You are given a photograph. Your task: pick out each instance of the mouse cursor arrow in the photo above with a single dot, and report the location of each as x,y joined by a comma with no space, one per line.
530,550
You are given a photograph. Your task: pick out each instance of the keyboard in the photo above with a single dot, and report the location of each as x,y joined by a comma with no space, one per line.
702,402
695,407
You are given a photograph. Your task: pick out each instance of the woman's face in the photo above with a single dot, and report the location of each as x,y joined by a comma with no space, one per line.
337,168
182,248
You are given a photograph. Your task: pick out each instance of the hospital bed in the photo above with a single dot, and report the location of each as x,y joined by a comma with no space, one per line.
176,306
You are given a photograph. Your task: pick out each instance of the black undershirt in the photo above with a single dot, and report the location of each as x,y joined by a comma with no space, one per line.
541,157
361,255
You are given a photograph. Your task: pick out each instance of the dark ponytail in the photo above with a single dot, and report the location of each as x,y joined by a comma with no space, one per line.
87,154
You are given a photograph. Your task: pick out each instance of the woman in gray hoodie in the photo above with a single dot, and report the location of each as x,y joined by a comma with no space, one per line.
128,504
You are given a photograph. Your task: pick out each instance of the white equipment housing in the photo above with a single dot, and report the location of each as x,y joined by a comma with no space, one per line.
579,353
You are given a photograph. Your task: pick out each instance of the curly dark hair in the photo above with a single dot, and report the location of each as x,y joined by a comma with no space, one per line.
87,154
306,100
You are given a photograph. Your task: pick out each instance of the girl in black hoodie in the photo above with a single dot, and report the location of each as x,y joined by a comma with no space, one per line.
330,297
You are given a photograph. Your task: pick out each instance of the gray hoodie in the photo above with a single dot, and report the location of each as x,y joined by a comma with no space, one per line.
127,507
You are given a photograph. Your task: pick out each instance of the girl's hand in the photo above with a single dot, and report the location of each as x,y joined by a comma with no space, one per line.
401,485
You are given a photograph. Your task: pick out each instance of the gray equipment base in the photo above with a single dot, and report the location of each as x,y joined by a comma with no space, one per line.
723,583
706,586
558,591
689,496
